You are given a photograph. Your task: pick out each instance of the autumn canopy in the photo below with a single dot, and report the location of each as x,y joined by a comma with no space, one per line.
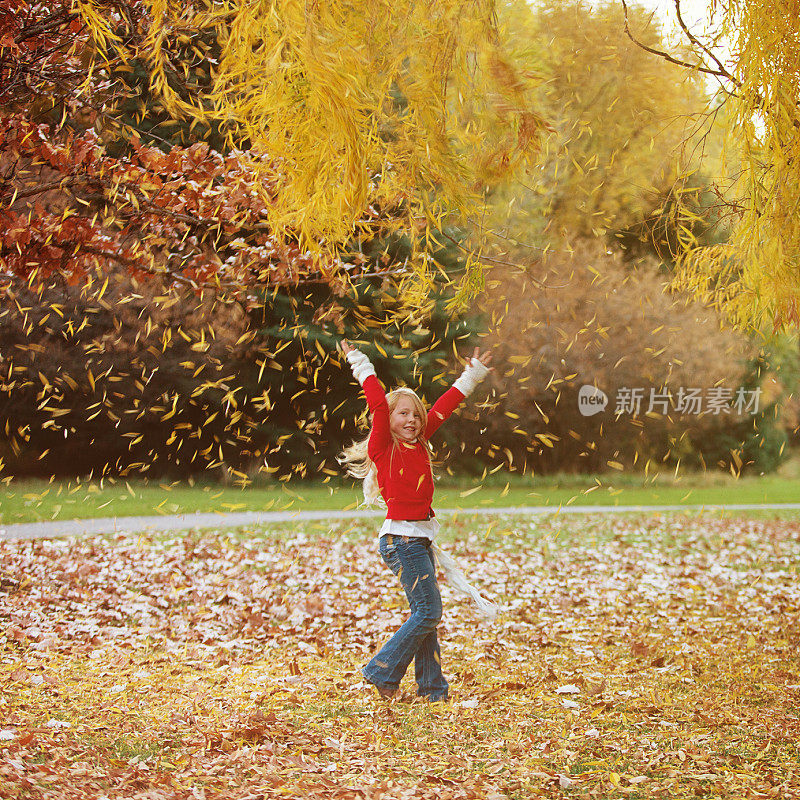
313,124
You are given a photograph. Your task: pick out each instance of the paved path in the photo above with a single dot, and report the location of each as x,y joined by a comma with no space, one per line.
78,527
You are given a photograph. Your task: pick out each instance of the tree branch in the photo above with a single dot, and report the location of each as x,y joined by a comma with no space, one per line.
697,43
663,54
182,279
500,263
53,21
721,72
45,187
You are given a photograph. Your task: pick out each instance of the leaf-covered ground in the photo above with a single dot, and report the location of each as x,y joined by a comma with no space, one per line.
645,656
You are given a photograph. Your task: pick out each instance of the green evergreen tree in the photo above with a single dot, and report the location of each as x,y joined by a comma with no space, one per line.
310,404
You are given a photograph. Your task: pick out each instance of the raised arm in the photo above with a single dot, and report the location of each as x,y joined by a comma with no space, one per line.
380,437
477,369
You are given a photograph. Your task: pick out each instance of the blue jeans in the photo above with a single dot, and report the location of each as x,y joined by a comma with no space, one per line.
411,559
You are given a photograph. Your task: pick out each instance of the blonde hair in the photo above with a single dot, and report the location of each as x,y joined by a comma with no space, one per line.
356,459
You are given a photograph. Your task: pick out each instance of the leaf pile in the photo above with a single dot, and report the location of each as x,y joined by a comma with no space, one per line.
644,656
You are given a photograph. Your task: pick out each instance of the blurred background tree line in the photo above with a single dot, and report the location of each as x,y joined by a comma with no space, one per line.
116,364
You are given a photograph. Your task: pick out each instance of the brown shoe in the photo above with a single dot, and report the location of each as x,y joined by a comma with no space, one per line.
384,691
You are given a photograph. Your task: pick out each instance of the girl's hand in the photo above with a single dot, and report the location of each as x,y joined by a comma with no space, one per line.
346,346
485,358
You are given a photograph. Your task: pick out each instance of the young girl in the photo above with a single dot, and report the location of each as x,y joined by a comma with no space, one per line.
394,461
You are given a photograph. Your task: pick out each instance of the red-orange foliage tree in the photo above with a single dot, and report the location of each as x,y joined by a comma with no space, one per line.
81,190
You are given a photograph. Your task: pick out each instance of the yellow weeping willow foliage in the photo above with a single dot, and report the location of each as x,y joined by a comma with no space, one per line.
621,121
755,276
402,110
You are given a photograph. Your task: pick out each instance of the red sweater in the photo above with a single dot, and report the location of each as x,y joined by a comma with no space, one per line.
404,470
